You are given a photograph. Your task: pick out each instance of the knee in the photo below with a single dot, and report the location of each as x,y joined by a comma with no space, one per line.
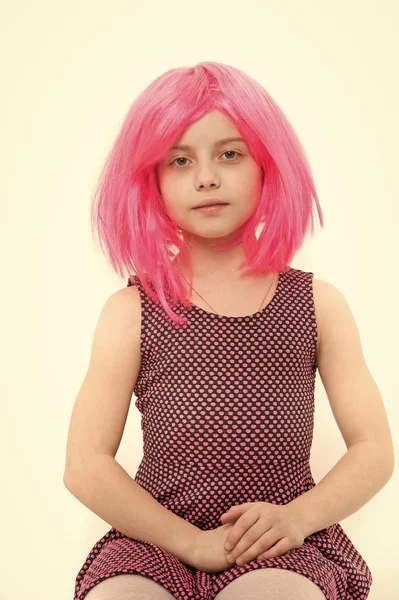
126,587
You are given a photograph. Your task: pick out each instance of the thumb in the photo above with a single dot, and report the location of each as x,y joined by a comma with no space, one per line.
225,517
232,513
236,511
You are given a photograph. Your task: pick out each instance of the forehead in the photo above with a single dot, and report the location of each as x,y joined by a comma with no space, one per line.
215,144
213,129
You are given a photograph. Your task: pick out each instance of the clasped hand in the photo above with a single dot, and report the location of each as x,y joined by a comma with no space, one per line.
261,530
254,530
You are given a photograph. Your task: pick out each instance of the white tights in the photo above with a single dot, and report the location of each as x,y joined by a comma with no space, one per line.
261,584
271,584
128,587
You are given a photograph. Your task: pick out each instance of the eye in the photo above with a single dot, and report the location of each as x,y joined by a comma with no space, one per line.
225,152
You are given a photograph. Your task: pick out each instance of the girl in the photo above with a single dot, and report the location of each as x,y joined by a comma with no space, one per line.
220,340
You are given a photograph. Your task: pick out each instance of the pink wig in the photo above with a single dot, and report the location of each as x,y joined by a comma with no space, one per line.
128,210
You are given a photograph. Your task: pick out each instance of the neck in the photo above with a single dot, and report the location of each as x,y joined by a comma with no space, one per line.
216,270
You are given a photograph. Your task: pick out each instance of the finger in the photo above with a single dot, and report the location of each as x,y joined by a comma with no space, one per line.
239,529
261,546
282,547
250,537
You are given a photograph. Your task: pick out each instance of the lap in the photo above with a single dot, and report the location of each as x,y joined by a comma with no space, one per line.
122,587
271,584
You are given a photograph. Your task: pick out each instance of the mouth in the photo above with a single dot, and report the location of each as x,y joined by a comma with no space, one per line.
211,209
211,205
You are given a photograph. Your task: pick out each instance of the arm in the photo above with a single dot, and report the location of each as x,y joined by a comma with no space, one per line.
98,419
350,484
359,413
106,488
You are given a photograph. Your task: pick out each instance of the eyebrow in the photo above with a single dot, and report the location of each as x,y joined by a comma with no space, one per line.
217,144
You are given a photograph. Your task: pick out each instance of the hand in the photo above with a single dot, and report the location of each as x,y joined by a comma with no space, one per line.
208,552
262,530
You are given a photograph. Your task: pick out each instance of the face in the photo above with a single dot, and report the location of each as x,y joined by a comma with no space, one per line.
209,169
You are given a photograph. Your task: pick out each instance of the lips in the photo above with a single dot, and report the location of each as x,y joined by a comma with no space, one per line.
212,204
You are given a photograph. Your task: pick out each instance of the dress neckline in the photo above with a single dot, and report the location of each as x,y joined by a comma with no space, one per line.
260,312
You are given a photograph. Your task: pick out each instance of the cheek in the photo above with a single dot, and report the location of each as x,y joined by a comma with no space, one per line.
173,211
175,208
253,192
248,198
174,192
248,185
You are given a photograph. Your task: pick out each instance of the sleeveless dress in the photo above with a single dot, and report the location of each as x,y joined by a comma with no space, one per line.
227,414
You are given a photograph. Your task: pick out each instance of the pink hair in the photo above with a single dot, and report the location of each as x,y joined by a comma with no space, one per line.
128,210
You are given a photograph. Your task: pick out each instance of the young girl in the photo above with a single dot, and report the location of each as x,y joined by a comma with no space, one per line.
219,339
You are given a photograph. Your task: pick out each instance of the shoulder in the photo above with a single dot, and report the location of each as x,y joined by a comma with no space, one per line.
327,297
332,310
324,291
123,308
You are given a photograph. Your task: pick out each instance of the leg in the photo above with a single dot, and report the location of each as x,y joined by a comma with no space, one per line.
271,584
128,587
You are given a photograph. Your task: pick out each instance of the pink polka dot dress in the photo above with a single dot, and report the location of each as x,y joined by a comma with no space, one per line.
227,415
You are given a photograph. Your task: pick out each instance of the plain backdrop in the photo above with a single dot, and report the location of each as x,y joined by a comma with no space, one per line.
70,71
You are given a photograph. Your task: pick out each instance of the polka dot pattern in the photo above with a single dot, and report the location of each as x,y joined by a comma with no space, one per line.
227,415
